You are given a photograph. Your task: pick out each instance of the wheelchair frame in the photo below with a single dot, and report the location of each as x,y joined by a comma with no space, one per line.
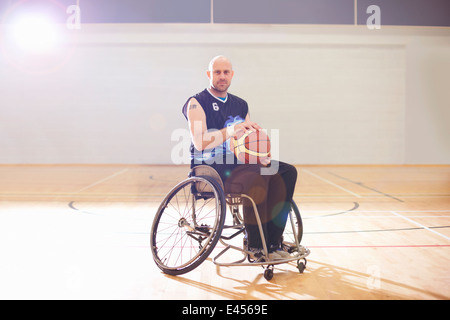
205,183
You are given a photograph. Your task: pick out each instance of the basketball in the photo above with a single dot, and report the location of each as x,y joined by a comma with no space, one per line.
250,147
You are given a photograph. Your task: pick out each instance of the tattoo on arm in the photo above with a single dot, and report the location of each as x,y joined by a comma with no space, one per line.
193,106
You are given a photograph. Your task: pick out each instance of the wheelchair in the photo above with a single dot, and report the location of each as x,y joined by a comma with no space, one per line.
191,220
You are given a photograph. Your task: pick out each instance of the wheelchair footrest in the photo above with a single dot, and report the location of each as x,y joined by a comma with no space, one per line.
262,261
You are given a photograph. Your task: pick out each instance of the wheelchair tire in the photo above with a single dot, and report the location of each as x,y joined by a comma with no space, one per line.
298,220
187,225
290,233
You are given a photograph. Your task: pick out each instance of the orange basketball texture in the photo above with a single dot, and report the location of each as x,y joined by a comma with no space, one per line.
250,147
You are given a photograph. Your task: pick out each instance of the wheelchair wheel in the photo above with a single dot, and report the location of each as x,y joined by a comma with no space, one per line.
188,225
293,229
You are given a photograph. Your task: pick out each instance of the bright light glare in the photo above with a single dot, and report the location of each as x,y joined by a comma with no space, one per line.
34,34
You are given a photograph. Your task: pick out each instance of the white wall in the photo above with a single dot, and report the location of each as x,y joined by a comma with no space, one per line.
337,94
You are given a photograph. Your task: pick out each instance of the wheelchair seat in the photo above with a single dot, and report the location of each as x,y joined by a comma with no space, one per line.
204,170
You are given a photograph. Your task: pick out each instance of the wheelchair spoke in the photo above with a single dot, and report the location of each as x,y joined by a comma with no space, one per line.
199,210
186,202
185,225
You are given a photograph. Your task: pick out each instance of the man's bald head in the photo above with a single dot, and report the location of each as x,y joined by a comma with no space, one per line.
219,59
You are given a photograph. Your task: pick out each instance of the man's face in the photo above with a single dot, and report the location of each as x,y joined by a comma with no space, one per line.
221,74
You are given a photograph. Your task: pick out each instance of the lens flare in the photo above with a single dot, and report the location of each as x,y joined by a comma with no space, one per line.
34,34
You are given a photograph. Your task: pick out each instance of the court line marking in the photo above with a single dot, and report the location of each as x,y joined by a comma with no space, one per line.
332,183
420,225
380,211
335,247
374,230
319,232
102,180
367,187
356,206
386,246
375,217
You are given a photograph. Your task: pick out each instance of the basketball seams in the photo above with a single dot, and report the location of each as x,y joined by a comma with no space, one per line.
248,148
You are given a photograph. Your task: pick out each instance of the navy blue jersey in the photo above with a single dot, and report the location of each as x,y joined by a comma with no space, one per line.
219,115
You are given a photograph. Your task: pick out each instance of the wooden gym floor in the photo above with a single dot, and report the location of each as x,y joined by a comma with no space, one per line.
82,232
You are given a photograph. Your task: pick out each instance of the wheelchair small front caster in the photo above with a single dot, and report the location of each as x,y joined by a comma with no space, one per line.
301,266
268,273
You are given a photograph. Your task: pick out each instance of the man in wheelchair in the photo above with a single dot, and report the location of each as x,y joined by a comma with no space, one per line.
214,115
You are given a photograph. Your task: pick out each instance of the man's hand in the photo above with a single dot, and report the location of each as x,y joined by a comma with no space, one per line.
247,126
265,161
